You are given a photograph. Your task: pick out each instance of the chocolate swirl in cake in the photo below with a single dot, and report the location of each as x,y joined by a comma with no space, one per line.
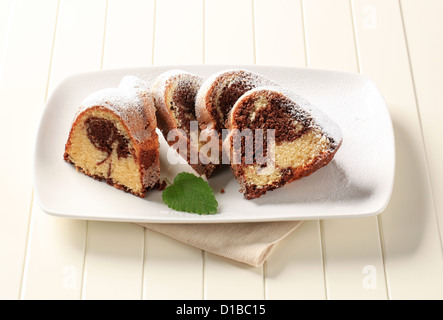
305,139
174,93
113,137
219,93
103,134
274,113
183,101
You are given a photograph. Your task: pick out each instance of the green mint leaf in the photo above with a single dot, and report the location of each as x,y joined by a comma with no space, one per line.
190,193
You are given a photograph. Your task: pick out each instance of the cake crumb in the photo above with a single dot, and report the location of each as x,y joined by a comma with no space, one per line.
161,185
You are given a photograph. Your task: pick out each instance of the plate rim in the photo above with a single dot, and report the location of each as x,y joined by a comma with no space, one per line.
195,218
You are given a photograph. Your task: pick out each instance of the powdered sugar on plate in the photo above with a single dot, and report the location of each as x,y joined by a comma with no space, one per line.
356,183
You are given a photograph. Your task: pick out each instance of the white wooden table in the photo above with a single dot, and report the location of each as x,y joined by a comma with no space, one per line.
398,43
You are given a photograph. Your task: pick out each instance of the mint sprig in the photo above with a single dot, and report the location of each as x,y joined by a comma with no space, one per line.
190,193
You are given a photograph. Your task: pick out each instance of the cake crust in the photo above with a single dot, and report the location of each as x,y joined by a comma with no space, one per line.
305,138
118,124
174,95
219,93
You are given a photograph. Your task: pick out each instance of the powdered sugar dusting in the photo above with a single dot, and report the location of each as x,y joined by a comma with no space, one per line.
321,120
127,101
177,79
249,78
222,79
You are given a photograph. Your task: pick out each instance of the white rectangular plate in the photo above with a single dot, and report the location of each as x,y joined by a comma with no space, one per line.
358,182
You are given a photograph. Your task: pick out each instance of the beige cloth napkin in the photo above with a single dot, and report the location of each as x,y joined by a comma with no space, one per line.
250,243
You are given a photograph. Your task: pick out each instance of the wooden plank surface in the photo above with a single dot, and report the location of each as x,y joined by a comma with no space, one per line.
178,32
354,267
229,280
278,33
129,34
6,14
55,258
411,239
113,267
424,33
79,39
329,35
172,270
397,255
234,42
350,246
295,269
22,93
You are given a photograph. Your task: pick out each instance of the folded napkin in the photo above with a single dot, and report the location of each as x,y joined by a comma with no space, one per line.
250,243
